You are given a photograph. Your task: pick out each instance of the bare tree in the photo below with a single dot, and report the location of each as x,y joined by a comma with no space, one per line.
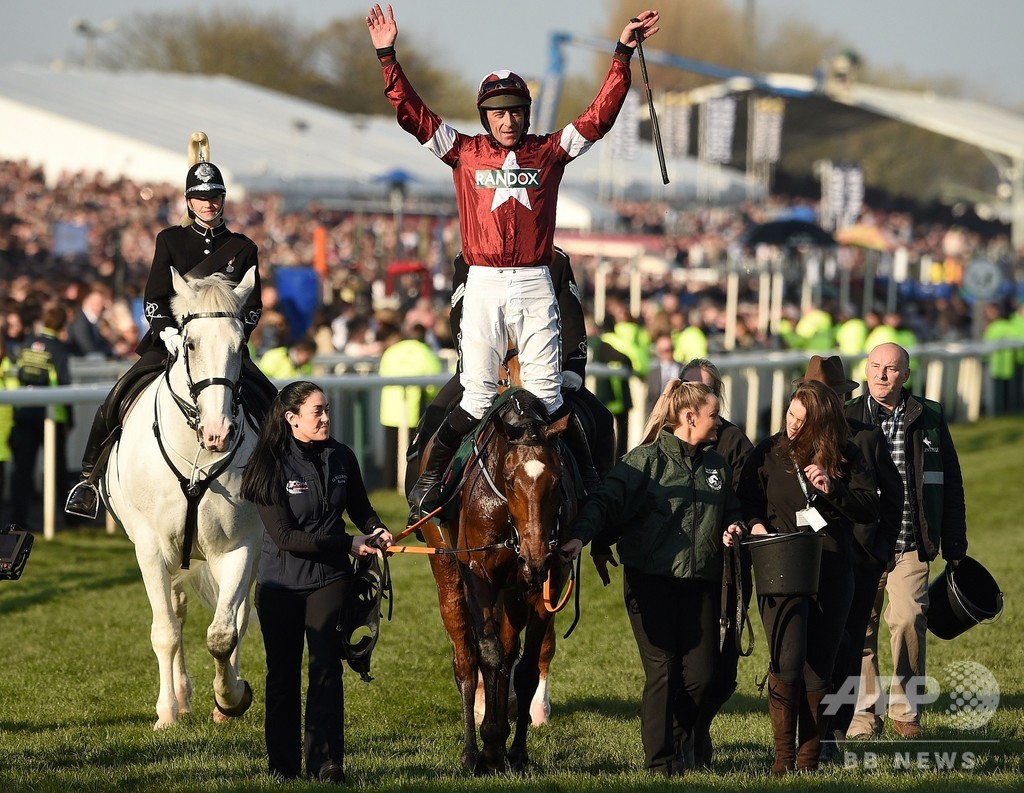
333,66
270,51
702,30
353,81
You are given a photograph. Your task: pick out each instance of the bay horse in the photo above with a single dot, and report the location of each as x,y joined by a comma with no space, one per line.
514,499
173,483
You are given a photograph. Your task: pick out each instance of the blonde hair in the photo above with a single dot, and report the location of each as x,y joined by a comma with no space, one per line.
679,395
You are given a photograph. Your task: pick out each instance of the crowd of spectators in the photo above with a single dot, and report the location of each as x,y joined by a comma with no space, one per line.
86,240
83,243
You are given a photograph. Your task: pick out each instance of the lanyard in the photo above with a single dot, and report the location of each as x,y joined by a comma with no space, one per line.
804,484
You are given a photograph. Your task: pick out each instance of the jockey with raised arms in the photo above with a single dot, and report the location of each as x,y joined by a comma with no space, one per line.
506,186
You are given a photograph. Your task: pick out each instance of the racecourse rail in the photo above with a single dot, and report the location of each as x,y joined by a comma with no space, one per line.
756,386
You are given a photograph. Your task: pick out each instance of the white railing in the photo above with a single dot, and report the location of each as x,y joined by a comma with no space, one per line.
756,386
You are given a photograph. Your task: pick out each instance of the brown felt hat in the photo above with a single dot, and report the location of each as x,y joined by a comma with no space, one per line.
829,371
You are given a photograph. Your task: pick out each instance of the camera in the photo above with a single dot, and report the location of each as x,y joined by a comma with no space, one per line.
15,546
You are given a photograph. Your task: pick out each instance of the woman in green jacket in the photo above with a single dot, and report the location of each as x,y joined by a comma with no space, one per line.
666,505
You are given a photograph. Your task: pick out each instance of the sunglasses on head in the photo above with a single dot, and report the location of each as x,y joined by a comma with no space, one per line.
504,82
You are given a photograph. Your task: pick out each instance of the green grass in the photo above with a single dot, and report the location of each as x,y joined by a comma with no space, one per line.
78,682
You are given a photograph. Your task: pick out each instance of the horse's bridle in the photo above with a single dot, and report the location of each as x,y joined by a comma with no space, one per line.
531,437
191,487
191,410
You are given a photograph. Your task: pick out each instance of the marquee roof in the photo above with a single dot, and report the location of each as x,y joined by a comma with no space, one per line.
138,124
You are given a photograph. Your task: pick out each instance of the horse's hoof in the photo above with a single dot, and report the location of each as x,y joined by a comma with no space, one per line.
518,760
163,724
469,760
485,767
224,715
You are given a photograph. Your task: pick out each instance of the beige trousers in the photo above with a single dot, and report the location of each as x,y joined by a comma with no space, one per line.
906,616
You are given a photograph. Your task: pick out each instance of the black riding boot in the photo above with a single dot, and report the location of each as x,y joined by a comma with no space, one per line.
576,439
424,496
84,498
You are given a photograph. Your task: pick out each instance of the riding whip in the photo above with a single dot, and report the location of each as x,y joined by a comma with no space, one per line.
655,130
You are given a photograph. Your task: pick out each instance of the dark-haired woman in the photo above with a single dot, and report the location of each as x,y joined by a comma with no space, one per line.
666,504
809,477
302,481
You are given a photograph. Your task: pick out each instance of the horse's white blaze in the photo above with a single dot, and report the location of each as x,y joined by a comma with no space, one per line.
534,469
144,495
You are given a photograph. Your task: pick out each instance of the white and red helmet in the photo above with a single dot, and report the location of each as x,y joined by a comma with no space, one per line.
503,89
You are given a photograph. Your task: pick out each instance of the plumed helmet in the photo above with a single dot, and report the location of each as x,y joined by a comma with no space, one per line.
203,179
503,89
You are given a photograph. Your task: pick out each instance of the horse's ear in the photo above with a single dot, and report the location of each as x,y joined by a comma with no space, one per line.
245,286
556,428
180,284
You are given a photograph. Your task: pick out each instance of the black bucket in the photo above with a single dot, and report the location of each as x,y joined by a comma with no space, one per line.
785,564
960,598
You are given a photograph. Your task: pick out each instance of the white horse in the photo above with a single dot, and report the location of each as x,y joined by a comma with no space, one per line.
173,483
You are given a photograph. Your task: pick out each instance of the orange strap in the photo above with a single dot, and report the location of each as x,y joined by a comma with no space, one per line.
413,549
406,532
547,595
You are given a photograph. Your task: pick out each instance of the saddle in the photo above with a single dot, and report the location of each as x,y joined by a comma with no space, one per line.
501,405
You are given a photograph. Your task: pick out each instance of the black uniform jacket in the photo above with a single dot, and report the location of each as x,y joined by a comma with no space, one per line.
185,249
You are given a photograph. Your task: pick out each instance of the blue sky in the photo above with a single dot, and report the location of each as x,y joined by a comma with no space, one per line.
977,42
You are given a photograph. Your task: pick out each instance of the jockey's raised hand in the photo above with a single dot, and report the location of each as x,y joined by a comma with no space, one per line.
383,29
645,23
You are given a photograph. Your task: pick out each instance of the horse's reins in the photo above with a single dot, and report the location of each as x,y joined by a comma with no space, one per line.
732,578
192,487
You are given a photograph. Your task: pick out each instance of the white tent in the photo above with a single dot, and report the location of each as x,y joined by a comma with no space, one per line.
137,125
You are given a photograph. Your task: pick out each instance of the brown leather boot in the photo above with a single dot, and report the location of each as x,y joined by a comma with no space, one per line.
782,708
810,732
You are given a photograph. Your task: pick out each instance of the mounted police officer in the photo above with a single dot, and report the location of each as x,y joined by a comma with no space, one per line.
199,246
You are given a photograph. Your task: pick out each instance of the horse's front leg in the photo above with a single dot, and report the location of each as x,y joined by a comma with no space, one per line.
182,679
165,633
538,626
495,659
454,614
232,571
540,705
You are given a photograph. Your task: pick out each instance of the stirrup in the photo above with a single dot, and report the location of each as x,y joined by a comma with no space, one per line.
87,503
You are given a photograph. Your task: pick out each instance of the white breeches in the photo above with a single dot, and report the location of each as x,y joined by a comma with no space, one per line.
503,304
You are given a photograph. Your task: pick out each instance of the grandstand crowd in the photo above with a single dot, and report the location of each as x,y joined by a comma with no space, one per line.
75,254
89,233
